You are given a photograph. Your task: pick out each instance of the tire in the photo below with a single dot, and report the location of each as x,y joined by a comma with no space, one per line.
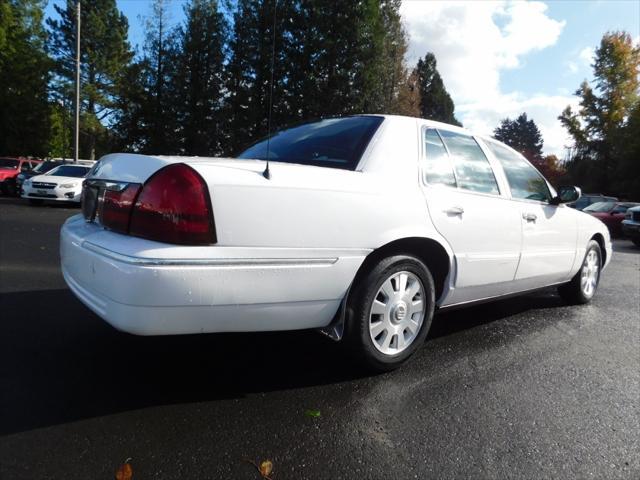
35,201
383,339
636,241
583,285
10,189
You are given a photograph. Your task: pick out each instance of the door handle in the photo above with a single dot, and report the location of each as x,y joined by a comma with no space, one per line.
455,210
530,217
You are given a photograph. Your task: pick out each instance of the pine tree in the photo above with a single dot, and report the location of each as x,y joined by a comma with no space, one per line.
201,78
247,105
159,70
436,103
24,73
130,129
331,58
523,135
105,55
388,70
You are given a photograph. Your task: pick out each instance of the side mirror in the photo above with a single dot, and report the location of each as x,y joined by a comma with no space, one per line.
566,194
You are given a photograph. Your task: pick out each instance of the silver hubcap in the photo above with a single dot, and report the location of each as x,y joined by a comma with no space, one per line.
589,276
397,313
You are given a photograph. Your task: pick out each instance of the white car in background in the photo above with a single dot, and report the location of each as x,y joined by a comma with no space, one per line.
359,226
61,184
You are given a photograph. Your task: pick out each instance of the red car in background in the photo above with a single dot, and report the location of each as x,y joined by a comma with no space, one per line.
9,170
611,214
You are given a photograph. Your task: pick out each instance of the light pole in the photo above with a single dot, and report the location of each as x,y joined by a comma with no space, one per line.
76,152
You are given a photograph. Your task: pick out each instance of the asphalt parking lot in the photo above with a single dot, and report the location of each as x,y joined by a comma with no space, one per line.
522,388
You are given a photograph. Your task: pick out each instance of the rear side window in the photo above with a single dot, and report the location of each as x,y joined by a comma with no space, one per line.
472,168
525,182
437,166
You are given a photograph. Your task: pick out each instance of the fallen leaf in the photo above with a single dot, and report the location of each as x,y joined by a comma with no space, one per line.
312,413
125,472
266,468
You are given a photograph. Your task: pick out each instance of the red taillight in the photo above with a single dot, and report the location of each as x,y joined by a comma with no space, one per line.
174,207
116,207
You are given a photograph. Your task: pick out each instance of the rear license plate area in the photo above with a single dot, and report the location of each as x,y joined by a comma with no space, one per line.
89,202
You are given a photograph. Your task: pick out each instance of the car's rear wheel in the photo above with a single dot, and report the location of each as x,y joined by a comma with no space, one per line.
390,311
584,284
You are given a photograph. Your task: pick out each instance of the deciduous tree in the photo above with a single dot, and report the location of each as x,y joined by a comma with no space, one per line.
605,120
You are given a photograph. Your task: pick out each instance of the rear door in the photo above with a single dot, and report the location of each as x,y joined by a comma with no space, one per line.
549,232
467,208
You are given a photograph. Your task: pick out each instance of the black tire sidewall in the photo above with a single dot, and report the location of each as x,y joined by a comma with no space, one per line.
361,299
572,291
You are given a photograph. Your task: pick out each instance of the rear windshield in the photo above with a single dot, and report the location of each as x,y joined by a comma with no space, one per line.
8,163
69,171
333,142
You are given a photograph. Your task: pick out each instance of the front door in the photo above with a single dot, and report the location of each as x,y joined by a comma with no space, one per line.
549,232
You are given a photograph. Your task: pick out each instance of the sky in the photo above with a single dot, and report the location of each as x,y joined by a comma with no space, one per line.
497,58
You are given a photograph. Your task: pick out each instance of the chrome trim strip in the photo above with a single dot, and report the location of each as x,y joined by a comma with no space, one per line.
215,262
503,296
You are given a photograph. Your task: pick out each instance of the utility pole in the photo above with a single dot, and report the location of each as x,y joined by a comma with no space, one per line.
76,152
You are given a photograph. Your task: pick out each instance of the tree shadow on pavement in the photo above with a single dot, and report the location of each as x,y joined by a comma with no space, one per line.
62,363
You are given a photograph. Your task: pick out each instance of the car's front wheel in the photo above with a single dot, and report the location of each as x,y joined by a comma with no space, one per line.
390,311
584,284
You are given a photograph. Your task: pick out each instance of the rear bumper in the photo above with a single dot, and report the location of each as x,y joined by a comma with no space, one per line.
148,288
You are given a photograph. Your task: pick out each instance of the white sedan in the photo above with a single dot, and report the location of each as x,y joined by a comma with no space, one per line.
61,184
359,226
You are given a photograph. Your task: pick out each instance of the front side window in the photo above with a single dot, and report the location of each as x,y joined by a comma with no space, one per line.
333,142
437,166
525,182
472,167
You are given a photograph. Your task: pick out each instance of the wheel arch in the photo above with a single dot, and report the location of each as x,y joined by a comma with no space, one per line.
598,237
436,256
429,251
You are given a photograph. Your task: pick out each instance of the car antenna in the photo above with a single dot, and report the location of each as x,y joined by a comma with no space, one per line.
267,173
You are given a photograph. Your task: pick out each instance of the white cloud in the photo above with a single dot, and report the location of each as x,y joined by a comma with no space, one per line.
586,55
483,116
473,42
572,66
